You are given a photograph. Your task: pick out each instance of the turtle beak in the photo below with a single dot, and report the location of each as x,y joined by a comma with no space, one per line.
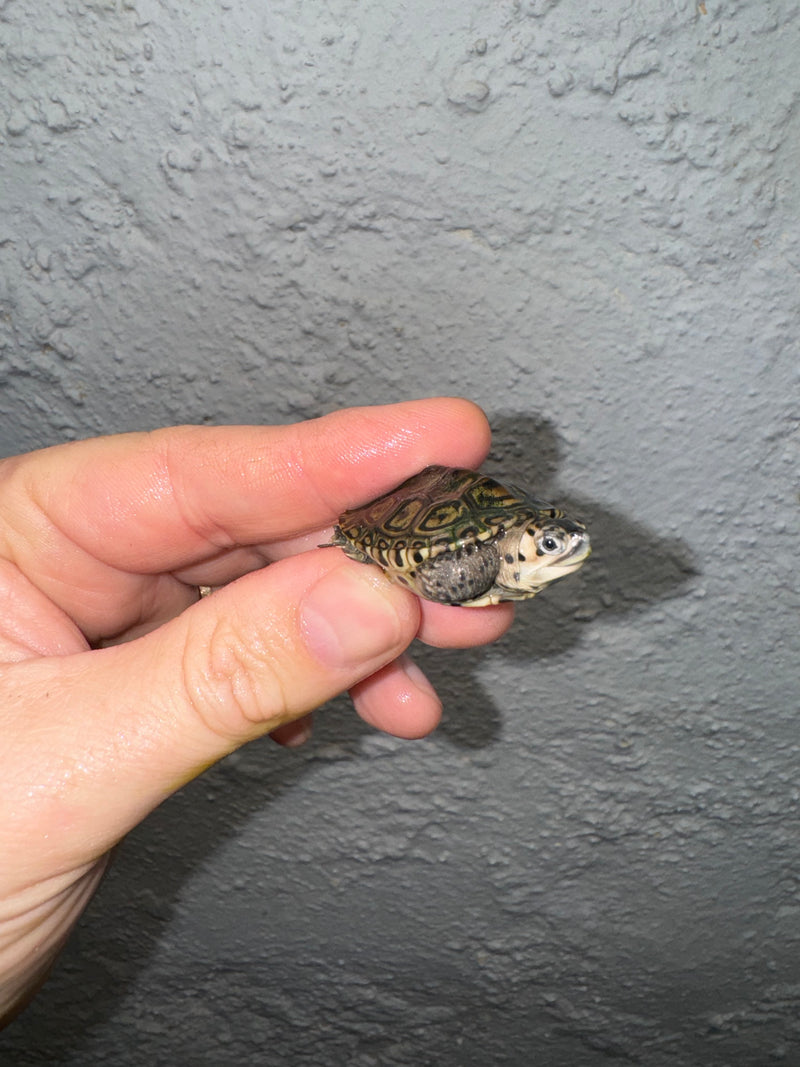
580,547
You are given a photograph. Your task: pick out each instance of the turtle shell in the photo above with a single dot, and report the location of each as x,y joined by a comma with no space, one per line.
450,514
439,510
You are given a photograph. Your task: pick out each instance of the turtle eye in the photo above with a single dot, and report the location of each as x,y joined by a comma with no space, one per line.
551,543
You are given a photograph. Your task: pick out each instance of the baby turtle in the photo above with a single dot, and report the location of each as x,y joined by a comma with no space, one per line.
459,537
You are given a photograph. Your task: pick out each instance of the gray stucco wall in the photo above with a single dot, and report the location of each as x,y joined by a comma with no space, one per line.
585,217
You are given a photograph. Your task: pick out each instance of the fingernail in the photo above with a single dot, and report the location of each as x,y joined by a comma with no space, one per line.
347,618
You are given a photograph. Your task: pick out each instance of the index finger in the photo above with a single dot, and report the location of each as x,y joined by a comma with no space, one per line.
155,502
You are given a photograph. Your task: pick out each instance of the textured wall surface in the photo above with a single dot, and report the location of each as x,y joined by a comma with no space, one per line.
585,217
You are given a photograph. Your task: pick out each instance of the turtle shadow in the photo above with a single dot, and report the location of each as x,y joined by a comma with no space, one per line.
630,568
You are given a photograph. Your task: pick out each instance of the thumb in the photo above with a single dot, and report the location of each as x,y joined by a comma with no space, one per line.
106,735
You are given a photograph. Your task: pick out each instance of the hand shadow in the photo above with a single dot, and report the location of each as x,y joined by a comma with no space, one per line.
630,568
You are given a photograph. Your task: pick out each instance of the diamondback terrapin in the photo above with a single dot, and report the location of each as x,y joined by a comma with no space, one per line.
459,537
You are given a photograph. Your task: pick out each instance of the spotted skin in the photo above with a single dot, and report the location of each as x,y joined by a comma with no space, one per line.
459,537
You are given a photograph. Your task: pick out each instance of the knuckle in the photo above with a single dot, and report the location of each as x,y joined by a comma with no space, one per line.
235,687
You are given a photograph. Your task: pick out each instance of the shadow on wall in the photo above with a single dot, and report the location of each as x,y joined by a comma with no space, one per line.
630,569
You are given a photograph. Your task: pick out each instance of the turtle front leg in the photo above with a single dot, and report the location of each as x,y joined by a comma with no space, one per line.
458,577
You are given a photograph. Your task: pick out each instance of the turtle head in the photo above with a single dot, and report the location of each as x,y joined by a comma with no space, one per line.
542,551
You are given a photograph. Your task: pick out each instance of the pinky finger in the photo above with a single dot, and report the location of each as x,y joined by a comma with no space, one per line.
399,700
293,734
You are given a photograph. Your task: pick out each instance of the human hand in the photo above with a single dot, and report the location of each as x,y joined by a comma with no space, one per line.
118,685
